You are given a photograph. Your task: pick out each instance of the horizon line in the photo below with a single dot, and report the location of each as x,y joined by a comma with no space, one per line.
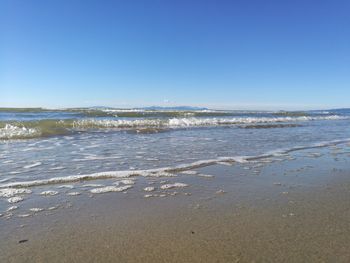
207,107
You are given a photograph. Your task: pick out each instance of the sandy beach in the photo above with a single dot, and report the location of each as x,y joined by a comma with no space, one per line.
290,209
174,131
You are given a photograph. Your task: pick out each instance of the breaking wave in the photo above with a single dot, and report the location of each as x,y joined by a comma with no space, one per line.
15,132
44,128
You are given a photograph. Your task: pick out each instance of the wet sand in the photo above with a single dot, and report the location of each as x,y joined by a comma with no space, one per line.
295,209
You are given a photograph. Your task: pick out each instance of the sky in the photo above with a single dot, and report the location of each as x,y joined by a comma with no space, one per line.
246,54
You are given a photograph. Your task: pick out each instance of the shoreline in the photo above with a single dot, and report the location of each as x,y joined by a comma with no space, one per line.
290,210
168,171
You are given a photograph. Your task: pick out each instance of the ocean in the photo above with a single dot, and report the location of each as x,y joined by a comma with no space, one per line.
43,147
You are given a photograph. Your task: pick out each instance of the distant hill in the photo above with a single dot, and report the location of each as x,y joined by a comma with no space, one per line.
341,110
99,107
175,108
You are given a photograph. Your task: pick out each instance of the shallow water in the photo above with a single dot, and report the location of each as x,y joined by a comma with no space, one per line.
118,146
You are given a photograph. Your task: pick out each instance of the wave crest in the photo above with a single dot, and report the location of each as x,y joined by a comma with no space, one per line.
15,132
193,122
44,128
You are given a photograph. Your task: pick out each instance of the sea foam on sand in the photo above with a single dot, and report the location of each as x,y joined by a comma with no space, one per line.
111,188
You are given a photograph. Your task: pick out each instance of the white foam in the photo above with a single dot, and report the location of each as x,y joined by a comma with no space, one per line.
160,172
36,209
191,172
195,121
127,181
159,195
13,132
175,185
73,193
49,193
11,208
16,172
57,168
15,199
10,192
110,189
32,165
205,175
24,215
149,189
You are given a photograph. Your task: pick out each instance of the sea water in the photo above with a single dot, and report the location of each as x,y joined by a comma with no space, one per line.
40,147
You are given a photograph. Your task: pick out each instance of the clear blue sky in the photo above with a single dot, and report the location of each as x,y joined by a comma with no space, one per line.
258,54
